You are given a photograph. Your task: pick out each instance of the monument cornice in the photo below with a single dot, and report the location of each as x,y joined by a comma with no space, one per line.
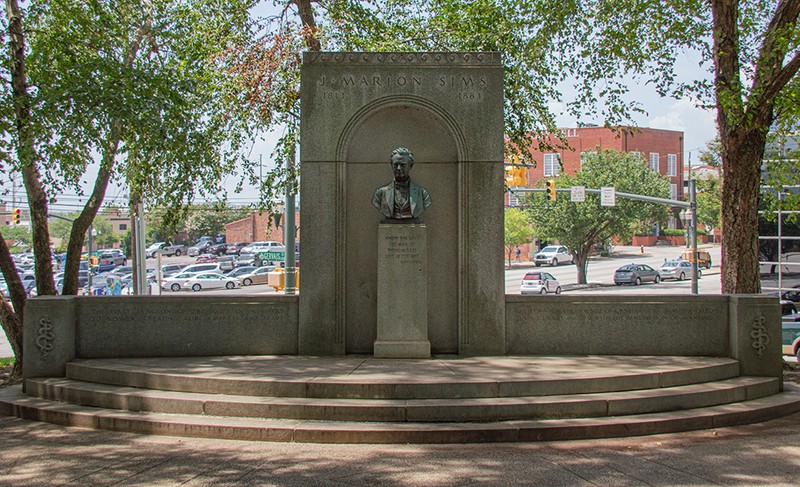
403,58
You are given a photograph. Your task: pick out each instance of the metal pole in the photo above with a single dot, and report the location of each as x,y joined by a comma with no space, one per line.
693,213
89,257
290,286
141,265
780,241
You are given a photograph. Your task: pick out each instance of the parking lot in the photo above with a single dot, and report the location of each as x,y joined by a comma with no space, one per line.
600,274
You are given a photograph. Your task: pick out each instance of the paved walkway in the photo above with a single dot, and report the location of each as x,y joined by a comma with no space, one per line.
44,454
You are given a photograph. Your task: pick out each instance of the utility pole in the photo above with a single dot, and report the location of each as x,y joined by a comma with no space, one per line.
290,286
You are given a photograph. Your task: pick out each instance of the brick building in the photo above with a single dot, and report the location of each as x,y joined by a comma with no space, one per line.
257,226
661,150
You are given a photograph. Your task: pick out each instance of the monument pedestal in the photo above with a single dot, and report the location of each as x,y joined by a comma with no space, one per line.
402,292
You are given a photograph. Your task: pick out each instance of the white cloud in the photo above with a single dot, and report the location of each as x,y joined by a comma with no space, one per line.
698,126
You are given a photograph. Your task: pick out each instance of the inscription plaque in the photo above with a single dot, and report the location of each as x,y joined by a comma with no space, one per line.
402,292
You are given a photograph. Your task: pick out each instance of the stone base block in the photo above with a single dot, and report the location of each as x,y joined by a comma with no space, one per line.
402,349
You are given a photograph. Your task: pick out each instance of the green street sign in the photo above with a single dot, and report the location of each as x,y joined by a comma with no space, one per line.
271,256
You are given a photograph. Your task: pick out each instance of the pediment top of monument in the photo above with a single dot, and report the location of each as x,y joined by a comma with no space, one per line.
404,58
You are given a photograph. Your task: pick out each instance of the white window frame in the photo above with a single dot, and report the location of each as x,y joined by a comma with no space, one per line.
673,191
636,154
513,199
551,164
672,165
584,154
654,162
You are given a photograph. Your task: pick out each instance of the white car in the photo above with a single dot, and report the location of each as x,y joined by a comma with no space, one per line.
553,255
265,246
539,283
174,283
209,280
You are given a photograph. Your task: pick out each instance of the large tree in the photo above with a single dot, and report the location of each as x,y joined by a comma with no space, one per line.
596,51
517,231
139,86
580,226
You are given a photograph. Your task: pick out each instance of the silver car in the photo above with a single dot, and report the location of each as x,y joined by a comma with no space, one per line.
676,269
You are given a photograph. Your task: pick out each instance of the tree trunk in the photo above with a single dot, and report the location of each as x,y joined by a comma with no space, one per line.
37,198
742,155
582,265
11,317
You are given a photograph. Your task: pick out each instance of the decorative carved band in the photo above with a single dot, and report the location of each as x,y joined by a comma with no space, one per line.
45,337
405,58
759,335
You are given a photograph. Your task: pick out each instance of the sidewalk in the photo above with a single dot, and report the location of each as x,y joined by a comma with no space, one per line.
44,454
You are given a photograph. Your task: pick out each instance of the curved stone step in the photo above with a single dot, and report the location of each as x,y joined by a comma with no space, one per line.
14,402
406,410
370,378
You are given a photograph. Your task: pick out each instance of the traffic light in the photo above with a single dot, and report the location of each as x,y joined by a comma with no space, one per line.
520,176
516,176
15,214
550,189
509,175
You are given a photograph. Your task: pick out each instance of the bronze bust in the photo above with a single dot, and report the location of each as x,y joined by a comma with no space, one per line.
401,201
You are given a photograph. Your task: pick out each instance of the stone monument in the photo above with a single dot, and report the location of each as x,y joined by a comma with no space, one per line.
402,264
357,108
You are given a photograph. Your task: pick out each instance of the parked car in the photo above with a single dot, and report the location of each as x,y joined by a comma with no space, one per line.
218,249
539,283
263,246
113,256
258,276
703,258
234,248
197,268
225,262
677,269
175,283
200,247
165,249
121,270
171,269
793,295
209,280
635,274
553,255
240,271
203,258
790,331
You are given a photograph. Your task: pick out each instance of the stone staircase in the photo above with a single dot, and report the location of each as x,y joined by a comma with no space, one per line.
360,399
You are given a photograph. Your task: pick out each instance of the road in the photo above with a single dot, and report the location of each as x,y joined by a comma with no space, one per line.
600,276
600,273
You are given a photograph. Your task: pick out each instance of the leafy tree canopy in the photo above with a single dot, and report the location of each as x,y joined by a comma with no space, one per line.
580,226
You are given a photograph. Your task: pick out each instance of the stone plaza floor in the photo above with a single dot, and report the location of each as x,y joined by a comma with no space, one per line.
44,454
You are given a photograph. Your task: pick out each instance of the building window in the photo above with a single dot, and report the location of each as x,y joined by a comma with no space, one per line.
637,155
673,191
654,162
123,226
585,155
551,165
513,199
672,165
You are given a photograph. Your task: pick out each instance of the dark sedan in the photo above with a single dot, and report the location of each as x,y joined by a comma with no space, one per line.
635,274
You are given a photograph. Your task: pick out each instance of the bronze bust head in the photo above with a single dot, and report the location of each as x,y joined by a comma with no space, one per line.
401,200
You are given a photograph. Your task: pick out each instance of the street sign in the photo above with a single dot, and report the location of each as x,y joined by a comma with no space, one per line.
607,196
578,194
271,256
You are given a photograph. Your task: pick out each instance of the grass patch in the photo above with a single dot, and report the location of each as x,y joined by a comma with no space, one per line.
7,361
